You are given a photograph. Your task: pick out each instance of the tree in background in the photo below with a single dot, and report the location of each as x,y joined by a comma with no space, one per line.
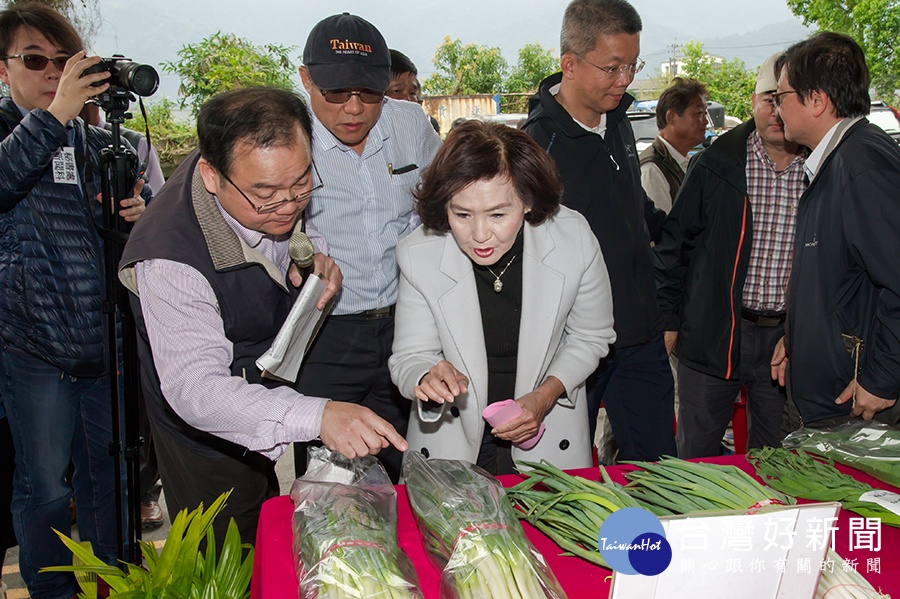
224,61
465,69
874,24
730,83
534,65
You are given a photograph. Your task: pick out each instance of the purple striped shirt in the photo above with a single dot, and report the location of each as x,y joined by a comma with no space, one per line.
192,355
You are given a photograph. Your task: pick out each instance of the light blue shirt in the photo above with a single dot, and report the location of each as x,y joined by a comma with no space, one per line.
363,210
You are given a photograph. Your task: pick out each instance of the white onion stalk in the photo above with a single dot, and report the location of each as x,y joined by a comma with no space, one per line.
839,583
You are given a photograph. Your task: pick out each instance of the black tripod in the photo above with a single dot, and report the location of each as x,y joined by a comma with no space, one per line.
117,180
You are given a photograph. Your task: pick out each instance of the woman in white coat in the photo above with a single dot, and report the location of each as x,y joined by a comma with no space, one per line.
514,303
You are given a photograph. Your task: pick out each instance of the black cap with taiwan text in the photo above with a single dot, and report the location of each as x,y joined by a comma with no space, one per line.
345,51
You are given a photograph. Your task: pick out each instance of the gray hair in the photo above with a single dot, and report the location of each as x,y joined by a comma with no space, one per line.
584,20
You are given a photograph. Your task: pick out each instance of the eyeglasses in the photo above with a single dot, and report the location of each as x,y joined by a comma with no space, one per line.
273,206
777,98
36,62
615,72
340,96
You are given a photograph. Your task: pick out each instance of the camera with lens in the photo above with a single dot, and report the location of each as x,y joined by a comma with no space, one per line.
126,76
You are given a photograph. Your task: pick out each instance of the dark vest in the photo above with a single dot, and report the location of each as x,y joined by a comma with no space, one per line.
659,155
183,224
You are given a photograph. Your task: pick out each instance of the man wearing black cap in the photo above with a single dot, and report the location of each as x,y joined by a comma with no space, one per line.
370,152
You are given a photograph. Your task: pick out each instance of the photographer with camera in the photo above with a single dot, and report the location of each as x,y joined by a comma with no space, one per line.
54,382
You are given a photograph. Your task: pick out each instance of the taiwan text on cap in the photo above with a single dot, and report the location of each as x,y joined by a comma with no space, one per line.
345,51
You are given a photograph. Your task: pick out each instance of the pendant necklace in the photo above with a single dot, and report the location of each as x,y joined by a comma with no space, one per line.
498,284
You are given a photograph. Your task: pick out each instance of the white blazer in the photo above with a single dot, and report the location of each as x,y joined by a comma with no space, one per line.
566,328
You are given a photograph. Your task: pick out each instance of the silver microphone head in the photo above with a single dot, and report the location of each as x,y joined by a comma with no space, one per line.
301,249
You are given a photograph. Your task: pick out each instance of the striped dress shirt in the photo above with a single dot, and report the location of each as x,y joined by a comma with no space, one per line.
364,210
192,355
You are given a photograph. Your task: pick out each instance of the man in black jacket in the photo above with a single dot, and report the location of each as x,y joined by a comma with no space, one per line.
579,117
722,266
843,326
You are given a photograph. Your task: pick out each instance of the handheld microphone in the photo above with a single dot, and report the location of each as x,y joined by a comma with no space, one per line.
301,249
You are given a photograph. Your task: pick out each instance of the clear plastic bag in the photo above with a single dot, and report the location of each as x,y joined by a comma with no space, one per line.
345,531
871,447
472,534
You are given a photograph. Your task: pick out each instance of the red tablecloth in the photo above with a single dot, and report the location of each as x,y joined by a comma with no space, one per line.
274,576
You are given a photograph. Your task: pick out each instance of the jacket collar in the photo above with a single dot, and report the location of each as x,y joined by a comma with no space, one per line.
456,265
727,157
545,102
227,250
831,141
456,306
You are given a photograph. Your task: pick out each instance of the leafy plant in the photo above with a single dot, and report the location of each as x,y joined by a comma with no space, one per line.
180,570
465,69
730,83
224,61
534,65
172,138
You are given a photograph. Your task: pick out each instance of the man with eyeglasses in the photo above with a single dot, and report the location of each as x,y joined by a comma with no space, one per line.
54,387
722,265
843,320
208,267
371,151
579,117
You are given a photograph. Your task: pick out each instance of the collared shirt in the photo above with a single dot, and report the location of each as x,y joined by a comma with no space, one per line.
826,145
773,197
192,355
364,209
654,182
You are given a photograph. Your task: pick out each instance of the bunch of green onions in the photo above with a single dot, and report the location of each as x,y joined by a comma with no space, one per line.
673,486
345,542
803,476
568,509
470,529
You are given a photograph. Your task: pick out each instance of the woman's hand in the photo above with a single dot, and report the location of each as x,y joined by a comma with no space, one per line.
535,406
442,383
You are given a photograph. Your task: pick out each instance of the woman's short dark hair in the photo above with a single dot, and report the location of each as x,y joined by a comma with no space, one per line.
834,64
477,151
264,117
43,19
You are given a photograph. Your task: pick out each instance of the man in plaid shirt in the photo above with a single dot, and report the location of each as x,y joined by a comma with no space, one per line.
722,267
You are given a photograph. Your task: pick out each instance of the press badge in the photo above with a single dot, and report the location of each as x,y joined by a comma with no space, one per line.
64,169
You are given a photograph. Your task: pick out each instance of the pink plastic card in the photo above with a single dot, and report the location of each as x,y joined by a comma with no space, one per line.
504,411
